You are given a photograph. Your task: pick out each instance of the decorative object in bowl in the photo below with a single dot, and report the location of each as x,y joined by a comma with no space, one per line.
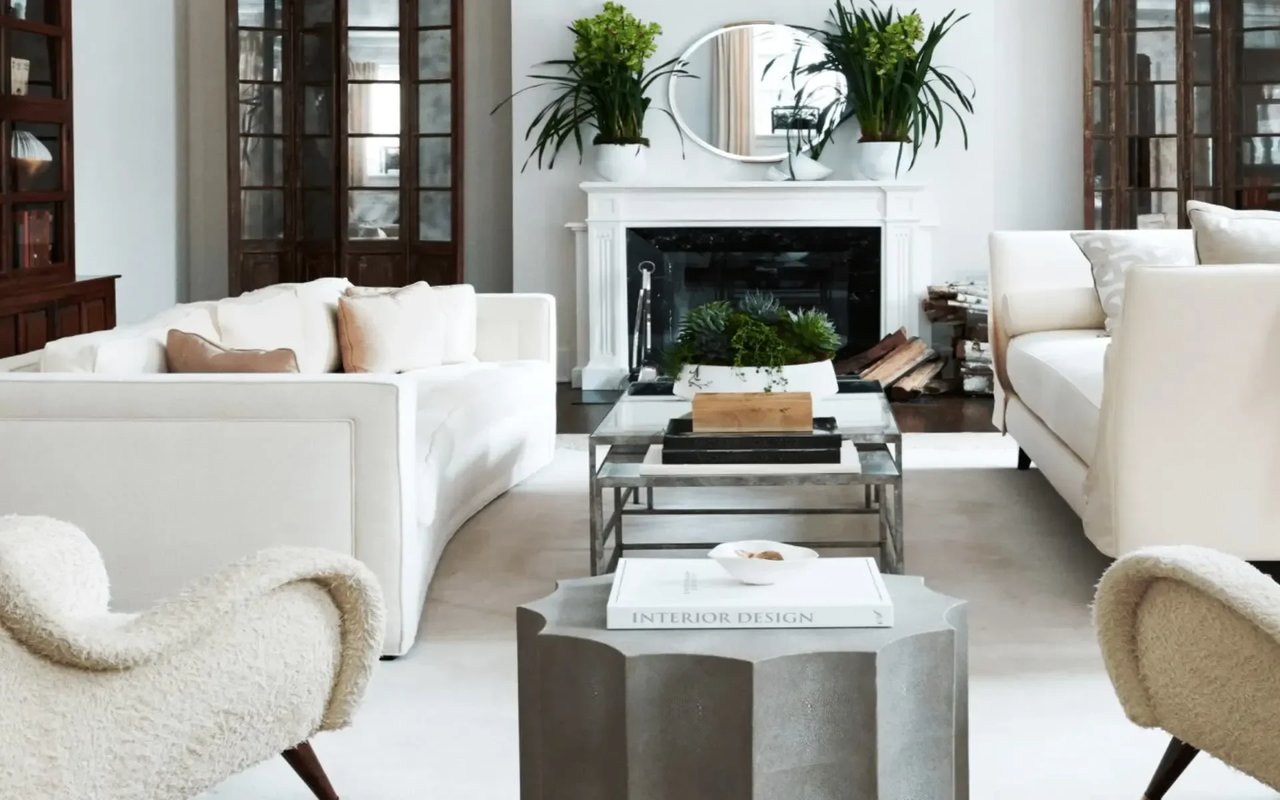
760,562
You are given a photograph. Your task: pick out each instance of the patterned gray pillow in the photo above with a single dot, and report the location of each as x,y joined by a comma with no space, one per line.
1114,253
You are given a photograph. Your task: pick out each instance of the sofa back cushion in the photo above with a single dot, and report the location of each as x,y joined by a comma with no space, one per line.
130,350
456,318
298,316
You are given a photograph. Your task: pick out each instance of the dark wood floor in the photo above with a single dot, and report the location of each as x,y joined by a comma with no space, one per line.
580,412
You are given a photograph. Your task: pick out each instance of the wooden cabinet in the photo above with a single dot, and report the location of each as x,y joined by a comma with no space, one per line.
345,148
1182,102
40,298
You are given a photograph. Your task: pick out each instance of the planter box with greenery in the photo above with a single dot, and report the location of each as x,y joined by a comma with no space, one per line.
757,346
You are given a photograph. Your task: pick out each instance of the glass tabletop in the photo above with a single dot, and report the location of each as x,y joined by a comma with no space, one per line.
861,418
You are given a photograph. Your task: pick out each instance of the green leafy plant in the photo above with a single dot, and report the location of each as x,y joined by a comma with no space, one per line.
757,333
892,87
604,87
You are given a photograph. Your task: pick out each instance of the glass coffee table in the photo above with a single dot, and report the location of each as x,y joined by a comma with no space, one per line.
637,423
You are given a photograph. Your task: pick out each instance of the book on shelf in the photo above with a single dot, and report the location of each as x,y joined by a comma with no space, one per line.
688,593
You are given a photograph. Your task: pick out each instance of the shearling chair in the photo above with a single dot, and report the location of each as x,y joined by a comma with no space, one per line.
245,665
1191,639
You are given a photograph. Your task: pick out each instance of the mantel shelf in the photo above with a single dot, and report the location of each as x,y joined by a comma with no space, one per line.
830,186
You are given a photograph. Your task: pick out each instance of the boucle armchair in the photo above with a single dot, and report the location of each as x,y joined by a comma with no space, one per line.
1191,640
244,665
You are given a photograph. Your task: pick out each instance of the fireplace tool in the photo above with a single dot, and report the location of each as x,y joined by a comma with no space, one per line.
642,334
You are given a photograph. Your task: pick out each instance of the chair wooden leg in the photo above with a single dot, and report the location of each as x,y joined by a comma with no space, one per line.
1024,460
1175,761
304,762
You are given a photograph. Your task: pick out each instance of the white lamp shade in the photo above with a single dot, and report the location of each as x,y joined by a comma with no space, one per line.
25,146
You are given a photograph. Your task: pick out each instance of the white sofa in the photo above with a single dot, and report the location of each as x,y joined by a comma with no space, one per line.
1167,433
177,475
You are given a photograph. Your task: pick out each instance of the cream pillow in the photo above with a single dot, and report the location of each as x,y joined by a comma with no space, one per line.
393,331
1113,253
1227,236
269,321
457,317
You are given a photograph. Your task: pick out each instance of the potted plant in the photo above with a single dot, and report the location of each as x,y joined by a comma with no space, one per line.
755,346
899,98
605,88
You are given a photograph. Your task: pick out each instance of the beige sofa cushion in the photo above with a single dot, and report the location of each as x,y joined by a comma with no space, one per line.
1227,236
299,316
131,350
1058,376
394,331
191,353
457,311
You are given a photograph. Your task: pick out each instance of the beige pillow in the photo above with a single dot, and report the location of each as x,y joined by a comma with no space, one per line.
1113,253
190,352
393,331
457,308
1227,236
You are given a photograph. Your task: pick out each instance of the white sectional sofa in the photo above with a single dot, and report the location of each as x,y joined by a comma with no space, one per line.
1167,433
175,475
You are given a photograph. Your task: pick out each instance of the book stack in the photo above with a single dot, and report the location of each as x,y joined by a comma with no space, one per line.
683,593
34,238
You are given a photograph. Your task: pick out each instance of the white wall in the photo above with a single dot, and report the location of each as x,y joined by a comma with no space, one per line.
1022,168
130,149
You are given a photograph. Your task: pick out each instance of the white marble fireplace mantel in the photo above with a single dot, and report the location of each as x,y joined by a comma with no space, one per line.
904,212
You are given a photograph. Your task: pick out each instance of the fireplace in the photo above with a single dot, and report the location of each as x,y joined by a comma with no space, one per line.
836,270
860,250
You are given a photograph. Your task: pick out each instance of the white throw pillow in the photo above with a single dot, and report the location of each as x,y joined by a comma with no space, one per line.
1227,236
457,309
131,350
1113,253
266,321
316,341
395,331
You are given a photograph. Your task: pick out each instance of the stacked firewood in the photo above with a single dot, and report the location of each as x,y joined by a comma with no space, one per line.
908,367
965,307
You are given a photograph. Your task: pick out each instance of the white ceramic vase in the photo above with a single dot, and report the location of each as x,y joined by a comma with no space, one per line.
878,161
799,167
621,163
817,378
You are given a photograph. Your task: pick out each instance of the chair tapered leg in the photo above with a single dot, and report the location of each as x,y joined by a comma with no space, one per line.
1175,761
1024,460
304,762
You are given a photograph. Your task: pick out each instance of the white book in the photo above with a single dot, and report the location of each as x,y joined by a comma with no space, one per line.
675,593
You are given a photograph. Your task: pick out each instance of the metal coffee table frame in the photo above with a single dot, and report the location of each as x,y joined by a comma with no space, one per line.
879,447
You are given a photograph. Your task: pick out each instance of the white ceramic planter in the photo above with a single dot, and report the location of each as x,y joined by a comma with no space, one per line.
621,163
878,161
817,378
799,168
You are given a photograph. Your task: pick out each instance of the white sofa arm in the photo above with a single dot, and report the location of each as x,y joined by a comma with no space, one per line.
513,327
1189,446
176,475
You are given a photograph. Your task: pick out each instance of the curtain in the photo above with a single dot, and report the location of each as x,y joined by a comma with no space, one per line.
733,91
358,118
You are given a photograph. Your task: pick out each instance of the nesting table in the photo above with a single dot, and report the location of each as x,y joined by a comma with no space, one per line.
636,423
780,714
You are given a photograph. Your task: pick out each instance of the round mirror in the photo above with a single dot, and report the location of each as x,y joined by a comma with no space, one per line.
739,100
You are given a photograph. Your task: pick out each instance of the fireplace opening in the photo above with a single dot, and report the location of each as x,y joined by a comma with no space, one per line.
836,270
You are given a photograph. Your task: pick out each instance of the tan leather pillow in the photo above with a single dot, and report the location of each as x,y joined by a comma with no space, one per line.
189,352
391,331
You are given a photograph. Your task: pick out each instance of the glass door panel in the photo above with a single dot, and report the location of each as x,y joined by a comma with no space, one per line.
35,157
42,11
34,64
1257,103
37,237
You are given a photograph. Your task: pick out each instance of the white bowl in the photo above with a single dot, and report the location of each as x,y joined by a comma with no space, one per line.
761,572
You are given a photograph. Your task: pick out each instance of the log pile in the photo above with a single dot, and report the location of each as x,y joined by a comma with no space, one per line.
903,365
966,308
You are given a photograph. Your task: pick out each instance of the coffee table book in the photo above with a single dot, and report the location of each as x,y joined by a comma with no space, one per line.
687,593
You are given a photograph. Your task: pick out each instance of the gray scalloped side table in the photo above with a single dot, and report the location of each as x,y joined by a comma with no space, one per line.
798,714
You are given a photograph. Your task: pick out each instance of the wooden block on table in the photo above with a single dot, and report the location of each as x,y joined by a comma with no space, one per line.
730,412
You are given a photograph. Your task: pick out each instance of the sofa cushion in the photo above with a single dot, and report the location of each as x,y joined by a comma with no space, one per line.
1227,236
394,331
299,316
457,308
1113,253
1058,375
130,350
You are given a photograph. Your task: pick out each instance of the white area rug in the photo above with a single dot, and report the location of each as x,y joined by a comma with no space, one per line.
440,723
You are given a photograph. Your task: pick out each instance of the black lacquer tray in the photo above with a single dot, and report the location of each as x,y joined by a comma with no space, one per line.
680,445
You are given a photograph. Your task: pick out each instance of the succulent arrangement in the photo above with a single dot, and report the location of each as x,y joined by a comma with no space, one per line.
756,333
